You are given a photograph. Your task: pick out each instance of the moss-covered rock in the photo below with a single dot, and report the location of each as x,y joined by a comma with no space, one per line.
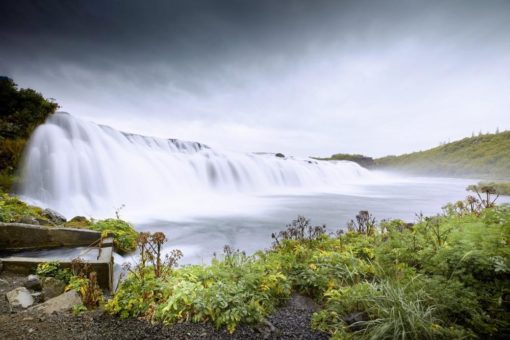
124,234
79,222
13,209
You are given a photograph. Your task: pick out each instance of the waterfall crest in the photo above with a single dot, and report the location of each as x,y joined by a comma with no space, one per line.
79,167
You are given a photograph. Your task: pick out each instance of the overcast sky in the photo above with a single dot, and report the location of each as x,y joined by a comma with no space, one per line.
298,77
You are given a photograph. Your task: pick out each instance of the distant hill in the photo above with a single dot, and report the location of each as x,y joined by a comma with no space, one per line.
364,161
485,156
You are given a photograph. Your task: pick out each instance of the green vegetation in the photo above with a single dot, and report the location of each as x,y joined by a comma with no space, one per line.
237,289
13,209
364,161
444,277
124,234
21,111
483,156
78,278
52,269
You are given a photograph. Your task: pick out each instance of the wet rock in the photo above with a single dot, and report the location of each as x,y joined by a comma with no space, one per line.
28,220
19,298
52,287
54,216
61,303
301,302
32,282
353,319
38,297
45,222
267,330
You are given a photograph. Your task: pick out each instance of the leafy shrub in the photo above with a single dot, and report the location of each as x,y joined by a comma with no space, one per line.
446,276
124,234
52,269
84,281
79,309
237,289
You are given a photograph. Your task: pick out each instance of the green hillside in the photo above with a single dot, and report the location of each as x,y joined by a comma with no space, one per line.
364,161
485,156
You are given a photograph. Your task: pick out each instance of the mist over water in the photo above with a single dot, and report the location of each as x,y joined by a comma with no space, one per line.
204,198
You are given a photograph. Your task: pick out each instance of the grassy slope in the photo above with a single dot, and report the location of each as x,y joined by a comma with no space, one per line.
364,161
486,156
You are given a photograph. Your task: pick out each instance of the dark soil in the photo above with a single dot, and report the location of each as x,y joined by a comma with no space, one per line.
291,321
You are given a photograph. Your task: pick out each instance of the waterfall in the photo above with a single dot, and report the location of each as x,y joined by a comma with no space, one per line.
79,167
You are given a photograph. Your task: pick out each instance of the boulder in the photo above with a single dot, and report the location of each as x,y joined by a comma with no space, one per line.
281,155
54,216
28,220
45,222
61,303
38,297
353,320
301,302
78,222
32,282
52,287
267,330
19,298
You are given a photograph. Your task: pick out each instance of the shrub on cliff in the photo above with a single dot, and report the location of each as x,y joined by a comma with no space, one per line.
21,111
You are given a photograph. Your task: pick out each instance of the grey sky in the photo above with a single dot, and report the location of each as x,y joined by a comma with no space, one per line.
299,77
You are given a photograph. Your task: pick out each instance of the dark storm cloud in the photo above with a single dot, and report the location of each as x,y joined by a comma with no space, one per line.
305,65
204,37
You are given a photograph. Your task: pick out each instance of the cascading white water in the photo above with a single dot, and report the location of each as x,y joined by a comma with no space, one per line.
78,167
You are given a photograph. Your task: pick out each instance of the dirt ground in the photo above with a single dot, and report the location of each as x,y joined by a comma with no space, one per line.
291,321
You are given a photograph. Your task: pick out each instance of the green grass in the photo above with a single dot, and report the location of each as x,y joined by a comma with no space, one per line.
483,156
13,209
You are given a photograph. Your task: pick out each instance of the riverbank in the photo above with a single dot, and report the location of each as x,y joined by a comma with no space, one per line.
291,321
445,276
